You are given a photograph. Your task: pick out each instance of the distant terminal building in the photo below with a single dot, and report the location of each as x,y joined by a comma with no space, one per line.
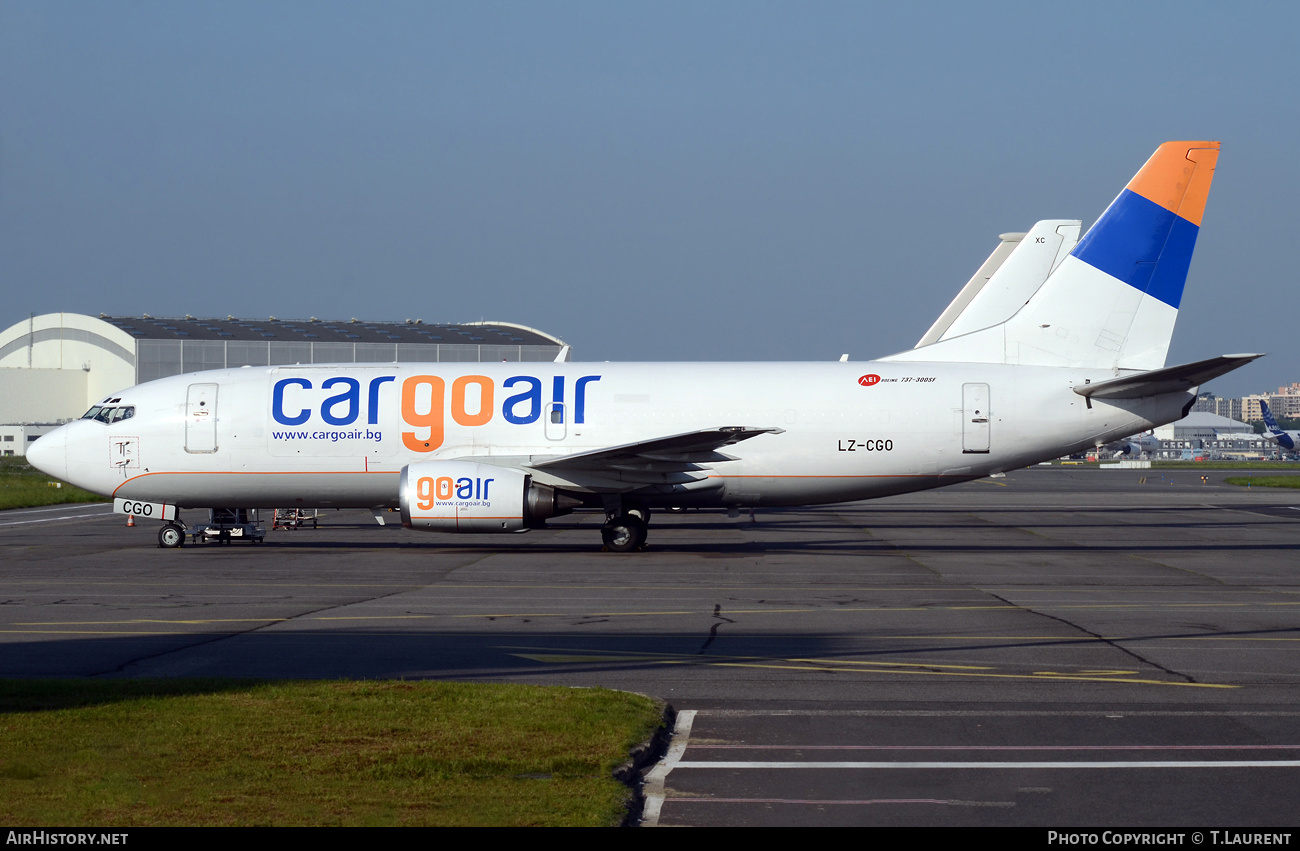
55,366
1219,436
1201,425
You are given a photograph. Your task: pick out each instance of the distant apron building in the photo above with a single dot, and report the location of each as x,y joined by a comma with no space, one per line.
55,366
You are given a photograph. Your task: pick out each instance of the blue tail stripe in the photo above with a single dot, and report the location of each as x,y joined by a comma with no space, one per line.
1171,272
1142,244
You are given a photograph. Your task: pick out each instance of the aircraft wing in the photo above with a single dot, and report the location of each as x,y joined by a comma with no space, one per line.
1170,379
675,453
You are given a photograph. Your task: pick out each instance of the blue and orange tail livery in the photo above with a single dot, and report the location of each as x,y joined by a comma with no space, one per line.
1146,236
1113,301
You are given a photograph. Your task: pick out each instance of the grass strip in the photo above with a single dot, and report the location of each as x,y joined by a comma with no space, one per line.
23,486
222,752
1265,481
1192,465
1226,465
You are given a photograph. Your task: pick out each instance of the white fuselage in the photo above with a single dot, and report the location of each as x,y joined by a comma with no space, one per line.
339,435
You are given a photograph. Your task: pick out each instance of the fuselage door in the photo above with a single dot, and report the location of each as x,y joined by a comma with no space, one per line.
975,419
201,418
554,416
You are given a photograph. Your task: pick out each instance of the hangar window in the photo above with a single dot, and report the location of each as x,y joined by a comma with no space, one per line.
9,438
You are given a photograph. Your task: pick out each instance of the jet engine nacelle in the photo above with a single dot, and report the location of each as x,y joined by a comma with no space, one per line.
465,496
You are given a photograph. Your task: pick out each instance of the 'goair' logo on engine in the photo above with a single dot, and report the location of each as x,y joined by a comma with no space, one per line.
426,403
429,490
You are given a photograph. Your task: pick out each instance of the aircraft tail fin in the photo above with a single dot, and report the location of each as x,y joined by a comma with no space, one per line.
1285,439
1268,417
1113,301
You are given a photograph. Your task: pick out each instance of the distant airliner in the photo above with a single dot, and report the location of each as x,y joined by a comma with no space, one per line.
1054,353
1288,440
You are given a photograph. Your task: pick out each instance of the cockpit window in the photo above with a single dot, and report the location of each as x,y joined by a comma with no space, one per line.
105,414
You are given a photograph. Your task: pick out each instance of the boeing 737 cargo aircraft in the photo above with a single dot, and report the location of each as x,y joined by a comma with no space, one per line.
1056,352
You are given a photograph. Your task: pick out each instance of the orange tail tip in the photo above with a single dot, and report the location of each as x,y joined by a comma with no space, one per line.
1178,177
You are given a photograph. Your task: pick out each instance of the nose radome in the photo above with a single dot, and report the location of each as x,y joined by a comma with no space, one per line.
49,453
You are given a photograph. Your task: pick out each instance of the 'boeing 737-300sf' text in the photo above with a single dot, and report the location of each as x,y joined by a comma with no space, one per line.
1060,348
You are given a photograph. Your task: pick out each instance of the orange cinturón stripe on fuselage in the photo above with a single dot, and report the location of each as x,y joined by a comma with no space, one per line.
1178,177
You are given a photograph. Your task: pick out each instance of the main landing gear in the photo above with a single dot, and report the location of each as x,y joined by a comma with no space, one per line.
625,531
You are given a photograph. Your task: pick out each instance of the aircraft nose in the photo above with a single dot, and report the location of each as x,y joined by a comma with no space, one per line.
49,453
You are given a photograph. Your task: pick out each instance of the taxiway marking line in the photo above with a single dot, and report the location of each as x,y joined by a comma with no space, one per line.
915,668
704,612
67,506
819,803
1234,763
900,664
101,515
88,632
997,747
142,621
1041,677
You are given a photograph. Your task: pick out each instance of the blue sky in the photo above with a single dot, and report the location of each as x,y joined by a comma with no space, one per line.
649,181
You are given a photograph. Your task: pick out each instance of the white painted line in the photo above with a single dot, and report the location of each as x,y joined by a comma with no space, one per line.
1255,763
55,520
64,507
862,803
101,515
654,781
999,747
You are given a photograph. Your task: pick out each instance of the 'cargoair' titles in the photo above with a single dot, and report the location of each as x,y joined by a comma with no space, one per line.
426,402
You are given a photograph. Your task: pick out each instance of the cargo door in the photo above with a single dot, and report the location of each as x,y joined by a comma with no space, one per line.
975,419
201,418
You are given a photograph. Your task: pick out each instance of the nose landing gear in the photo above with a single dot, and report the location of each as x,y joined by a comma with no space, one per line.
171,536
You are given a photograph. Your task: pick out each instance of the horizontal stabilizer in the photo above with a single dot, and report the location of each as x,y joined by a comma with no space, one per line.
678,449
1170,379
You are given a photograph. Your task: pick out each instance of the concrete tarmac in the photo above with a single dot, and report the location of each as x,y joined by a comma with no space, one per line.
1063,646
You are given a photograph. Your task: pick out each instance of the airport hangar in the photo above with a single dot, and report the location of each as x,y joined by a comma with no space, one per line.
53,367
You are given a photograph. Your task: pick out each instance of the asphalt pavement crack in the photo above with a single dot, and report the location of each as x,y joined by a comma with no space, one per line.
212,639
1101,638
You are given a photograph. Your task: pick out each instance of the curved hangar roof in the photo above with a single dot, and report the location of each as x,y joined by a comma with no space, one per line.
332,331
55,365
